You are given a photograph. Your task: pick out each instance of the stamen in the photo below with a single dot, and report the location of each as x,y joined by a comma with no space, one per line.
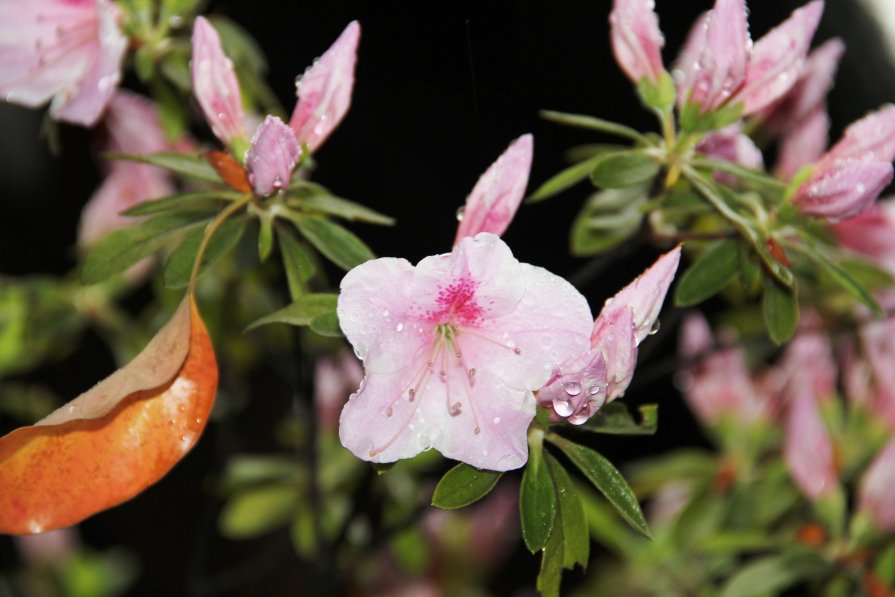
508,345
469,378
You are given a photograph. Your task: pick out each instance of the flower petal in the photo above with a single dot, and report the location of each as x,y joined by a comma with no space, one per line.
271,157
324,90
493,202
808,449
803,144
778,58
724,58
636,39
686,66
214,83
875,495
872,138
843,188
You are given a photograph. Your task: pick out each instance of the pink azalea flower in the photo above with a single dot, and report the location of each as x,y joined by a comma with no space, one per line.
878,346
719,65
132,126
871,233
324,90
807,448
453,350
67,50
272,156
496,196
215,84
875,496
803,145
731,145
334,378
636,39
581,384
718,385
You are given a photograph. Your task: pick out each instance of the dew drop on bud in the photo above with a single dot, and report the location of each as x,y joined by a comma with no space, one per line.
655,329
572,388
461,211
593,390
399,327
563,407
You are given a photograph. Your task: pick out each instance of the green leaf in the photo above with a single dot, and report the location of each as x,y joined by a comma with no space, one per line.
463,485
570,512
607,479
564,180
253,512
201,200
593,123
297,263
843,279
659,95
537,503
306,308
122,248
550,574
774,574
780,308
265,238
614,419
750,270
623,169
709,274
190,166
335,242
180,263
620,205
326,325
343,208
866,272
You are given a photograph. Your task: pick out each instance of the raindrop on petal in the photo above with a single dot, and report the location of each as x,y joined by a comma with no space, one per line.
461,211
655,329
572,388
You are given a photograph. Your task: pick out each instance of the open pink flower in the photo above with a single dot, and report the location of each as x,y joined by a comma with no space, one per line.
849,178
581,384
324,90
132,126
67,50
636,39
496,196
719,64
875,496
453,350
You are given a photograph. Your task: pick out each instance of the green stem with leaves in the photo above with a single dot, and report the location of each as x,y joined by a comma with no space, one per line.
209,233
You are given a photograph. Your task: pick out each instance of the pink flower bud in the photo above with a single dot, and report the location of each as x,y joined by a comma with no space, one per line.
636,39
272,156
842,188
731,145
215,85
721,66
68,51
875,496
324,90
808,449
493,202
871,233
872,138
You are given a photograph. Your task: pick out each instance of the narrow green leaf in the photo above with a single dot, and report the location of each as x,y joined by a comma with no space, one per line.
750,270
780,308
607,479
550,574
265,238
774,574
297,263
301,312
622,205
564,180
623,169
709,274
256,511
463,485
866,272
335,242
748,174
614,419
843,279
570,512
122,248
202,200
343,208
180,263
326,325
537,503
190,166
593,123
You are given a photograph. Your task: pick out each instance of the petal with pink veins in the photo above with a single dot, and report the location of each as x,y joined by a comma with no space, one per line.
324,90
636,39
493,202
723,61
843,188
215,84
271,157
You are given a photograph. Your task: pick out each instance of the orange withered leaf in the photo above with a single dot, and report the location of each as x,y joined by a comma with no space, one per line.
231,172
112,442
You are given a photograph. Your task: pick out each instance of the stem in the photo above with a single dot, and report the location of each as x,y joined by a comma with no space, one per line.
209,233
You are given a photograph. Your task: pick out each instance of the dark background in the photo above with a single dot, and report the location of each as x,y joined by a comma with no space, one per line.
441,90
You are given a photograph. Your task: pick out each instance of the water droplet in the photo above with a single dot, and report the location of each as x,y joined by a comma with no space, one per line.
385,313
860,188
175,21
562,407
593,390
358,354
181,408
399,327
655,329
198,420
496,420
572,388
461,211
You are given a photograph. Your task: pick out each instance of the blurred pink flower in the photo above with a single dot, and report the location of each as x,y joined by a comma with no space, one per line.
803,145
67,50
334,379
875,495
731,145
807,447
493,202
852,174
131,126
324,90
453,350
215,85
581,384
636,39
871,233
